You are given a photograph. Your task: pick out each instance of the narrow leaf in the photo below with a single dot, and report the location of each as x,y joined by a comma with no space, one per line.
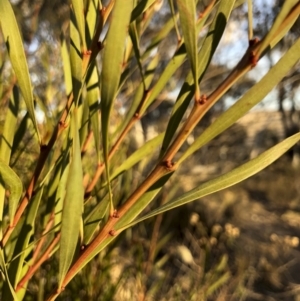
73,204
141,7
205,55
112,67
66,64
249,100
284,11
94,219
113,61
93,95
229,179
26,229
78,9
75,60
4,272
10,180
13,41
7,137
187,13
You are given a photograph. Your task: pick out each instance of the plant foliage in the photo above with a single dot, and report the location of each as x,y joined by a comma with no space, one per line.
65,206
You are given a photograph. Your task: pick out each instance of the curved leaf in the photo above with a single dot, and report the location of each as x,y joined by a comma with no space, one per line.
139,93
94,219
66,64
229,179
285,10
10,180
17,56
4,272
75,60
141,7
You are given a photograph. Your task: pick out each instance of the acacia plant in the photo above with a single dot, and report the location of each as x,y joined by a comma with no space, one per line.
69,202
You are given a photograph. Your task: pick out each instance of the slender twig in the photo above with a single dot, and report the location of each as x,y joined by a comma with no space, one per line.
101,166
37,265
43,239
45,150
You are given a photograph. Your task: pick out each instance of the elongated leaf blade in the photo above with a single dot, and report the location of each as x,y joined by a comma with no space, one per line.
17,56
63,177
5,273
25,232
73,205
111,70
187,13
205,55
231,178
66,64
93,95
286,8
94,219
7,137
78,9
141,7
75,60
249,100
10,180
112,62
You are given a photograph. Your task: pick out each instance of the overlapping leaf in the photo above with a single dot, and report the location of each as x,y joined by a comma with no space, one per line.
17,56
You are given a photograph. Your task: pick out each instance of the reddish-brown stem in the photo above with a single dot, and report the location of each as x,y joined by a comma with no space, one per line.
42,240
45,150
37,265
108,229
99,171
153,241
100,167
207,9
7,93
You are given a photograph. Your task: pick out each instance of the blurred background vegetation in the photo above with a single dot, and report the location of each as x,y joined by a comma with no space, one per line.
239,244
